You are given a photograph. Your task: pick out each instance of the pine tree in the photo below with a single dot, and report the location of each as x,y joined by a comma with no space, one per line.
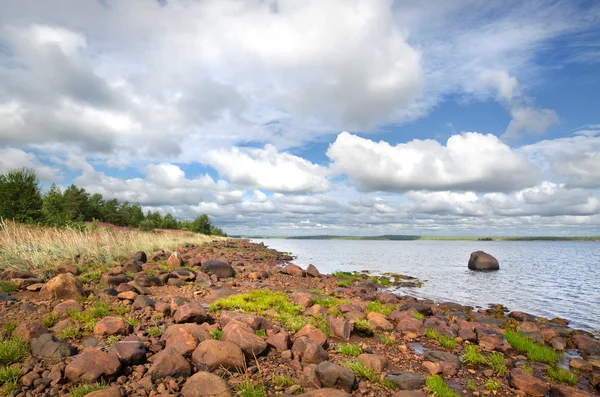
20,198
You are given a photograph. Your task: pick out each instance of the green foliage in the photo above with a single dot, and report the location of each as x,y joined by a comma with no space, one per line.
84,389
258,301
156,332
121,310
363,327
50,319
251,388
147,225
527,368
417,315
497,363
562,375
471,356
381,280
492,384
216,334
343,283
72,332
282,381
13,350
8,286
100,309
447,342
362,372
261,333
431,333
329,301
9,378
378,307
387,339
349,349
201,225
471,384
134,322
536,352
20,198
439,388
9,327
111,340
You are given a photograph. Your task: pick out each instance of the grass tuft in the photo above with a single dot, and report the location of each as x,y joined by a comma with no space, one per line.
261,332
282,381
84,389
362,372
497,363
154,332
387,339
216,334
258,301
471,384
536,352
50,319
9,378
472,356
251,388
8,286
492,384
378,307
562,375
13,350
447,342
439,388
329,301
9,327
349,349
417,315
72,332
363,327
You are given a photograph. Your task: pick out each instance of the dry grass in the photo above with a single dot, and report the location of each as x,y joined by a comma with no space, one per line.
34,247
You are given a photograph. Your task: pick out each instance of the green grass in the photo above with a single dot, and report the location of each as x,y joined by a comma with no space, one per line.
349,349
292,322
9,327
134,322
154,332
50,319
363,327
362,372
536,352
562,375
527,368
439,388
329,301
13,350
387,340
251,388
492,384
261,332
84,389
497,363
343,283
472,356
216,334
8,286
447,342
73,332
258,301
9,378
111,340
381,280
100,309
378,307
471,384
431,333
282,381
121,310
417,315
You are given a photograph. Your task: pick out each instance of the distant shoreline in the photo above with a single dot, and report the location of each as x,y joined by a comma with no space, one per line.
430,238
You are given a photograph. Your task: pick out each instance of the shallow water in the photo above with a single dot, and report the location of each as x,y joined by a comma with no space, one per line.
549,279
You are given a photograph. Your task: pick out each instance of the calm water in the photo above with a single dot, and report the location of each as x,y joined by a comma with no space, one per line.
547,279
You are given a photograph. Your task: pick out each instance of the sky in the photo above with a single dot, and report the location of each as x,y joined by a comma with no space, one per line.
302,117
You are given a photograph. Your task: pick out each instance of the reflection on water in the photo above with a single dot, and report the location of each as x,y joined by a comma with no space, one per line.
550,279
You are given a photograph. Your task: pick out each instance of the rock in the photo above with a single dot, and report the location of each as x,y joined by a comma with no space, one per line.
313,333
336,376
215,354
92,365
218,268
108,392
63,286
185,274
205,384
181,340
114,279
175,260
132,266
199,332
29,331
410,326
6,297
373,361
581,365
594,361
437,356
588,345
406,380
11,273
67,306
409,393
254,321
29,378
112,326
189,312
142,302
169,362
243,336
259,275
567,391
378,322
339,328
147,281
313,271
432,368
139,256
65,268
280,341
558,343
308,351
325,393
523,380
480,260
128,295
47,346
293,270
129,352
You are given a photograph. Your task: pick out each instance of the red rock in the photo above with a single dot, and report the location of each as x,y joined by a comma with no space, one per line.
29,331
91,365
328,392
215,354
108,392
181,340
190,312
294,270
169,362
112,326
175,260
378,322
129,352
432,368
317,310
581,365
523,380
63,286
410,325
243,336
312,271
567,391
280,341
373,361
128,295
205,384
339,328
313,333
308,351
334,375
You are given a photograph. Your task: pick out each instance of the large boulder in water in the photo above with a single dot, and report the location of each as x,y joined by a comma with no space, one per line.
483,261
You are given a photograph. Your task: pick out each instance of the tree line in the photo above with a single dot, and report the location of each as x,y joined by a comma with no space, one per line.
21,200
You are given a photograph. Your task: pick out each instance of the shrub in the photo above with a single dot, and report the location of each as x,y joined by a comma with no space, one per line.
282,381
8,286
147,225
439,388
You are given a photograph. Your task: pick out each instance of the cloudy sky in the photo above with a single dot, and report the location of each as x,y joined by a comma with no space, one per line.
288,117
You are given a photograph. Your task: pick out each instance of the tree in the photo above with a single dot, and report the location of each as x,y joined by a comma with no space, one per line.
136,215
20,197
53,207
217,231
76,204
96,207
110,212
201,225
168,222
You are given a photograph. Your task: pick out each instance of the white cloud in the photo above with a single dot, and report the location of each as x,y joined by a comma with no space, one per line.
470,161
269,169
528,120
11,158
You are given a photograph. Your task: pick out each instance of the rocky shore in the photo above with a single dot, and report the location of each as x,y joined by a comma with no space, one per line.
236,318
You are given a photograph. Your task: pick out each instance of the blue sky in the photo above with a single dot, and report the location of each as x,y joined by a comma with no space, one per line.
289,117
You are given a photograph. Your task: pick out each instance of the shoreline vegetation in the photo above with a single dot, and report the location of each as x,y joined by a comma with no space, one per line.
230,317
399,237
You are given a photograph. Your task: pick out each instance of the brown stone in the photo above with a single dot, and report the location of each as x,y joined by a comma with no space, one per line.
175,260
112,326
378,322
567,391
328,392
280,341
63,286
294,270
108,392
312,271
129,352
242,335
375,362
29,331
335,376
181,340
128,295
581,365
190,312
205,384
169,362
215,354
92,365
313,333
339,328
523,380
480,260
308,351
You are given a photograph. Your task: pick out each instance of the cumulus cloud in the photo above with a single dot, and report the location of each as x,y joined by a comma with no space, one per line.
269,169
470,161
11,158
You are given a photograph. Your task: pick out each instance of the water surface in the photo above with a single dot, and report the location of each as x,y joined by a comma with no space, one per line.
545,278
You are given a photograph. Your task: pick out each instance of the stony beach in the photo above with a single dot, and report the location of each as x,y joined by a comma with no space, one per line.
232,317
